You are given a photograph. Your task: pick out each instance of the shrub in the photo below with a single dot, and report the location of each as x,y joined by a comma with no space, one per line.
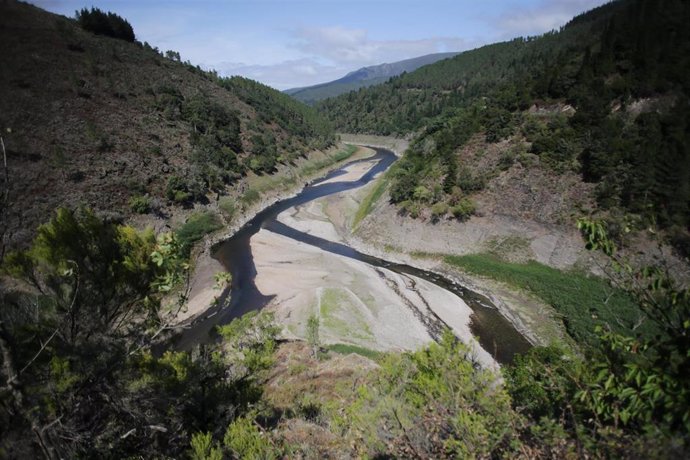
422,193
439,210
250,197
244,440
434,402
197,226
203,448
101,23
412,207
228,206
506,160
464,209
470,182
140,204
183,190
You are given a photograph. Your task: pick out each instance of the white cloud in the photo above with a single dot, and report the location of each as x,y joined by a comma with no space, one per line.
286,74
548,15
354,47
319,54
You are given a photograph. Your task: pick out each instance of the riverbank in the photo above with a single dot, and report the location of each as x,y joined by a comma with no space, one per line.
396,145
358,304
334,217
203,288
425,247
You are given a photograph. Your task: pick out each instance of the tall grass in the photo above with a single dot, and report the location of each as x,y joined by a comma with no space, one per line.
370,200
582,300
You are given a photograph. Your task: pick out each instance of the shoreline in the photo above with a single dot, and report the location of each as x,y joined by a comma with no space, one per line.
202,284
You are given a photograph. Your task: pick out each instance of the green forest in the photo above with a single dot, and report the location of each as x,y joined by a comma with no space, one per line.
606,64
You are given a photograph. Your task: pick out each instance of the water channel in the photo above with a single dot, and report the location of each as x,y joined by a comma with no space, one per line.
494,332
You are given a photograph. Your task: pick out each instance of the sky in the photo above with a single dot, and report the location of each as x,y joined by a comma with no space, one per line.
295,43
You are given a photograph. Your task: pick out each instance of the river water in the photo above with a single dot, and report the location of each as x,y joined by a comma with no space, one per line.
495,334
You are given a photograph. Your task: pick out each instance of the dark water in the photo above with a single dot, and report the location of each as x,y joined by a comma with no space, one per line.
495,333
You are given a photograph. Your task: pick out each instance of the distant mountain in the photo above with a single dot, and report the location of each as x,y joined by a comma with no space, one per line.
364,77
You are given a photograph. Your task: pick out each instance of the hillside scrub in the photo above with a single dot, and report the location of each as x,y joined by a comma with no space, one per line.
129,115
626,394
196,227
76,349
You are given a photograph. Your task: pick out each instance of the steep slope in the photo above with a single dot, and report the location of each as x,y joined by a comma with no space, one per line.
411,101
606,98
363,78
93,120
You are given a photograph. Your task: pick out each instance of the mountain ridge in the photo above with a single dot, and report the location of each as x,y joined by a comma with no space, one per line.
364,77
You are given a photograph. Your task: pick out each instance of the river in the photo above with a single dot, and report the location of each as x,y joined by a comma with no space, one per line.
494,332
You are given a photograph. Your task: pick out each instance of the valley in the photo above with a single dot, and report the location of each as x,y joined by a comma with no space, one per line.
467,248
360,304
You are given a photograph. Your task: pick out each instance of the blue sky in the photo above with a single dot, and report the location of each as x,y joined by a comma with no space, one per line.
292,43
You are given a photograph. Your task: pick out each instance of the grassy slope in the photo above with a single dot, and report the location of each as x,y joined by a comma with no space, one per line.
581,299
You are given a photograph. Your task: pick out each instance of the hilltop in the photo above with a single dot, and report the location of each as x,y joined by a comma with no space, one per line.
363,78
116,126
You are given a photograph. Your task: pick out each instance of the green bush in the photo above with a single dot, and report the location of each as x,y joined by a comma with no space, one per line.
439,210
141,204
228,206
197,226
434,402
185,190
244,440
506,160
203,448
250,197
413,208
464,209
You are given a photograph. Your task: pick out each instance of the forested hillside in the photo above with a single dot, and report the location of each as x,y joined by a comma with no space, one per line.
107,122
606,97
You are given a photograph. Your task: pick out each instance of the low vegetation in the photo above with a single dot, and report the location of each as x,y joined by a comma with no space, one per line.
131,114
346,349
370,200
86,370
77,366
581,300
197,226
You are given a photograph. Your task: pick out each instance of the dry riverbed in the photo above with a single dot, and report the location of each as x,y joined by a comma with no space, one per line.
357,303
203,289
